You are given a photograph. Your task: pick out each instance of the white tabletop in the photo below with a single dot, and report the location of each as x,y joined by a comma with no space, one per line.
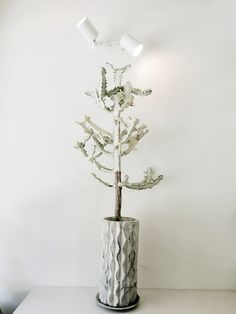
68,300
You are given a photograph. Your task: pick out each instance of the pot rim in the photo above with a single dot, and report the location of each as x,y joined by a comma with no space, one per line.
123,219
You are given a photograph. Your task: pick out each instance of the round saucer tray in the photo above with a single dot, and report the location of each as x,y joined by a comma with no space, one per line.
124,308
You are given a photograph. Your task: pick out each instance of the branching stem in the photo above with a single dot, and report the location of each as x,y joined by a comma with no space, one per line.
126,134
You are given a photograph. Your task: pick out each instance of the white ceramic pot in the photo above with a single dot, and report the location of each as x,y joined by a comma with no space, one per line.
119,258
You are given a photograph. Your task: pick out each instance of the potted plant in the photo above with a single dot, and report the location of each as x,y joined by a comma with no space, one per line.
119,253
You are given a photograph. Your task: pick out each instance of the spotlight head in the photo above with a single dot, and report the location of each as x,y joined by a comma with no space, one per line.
87,30
131,45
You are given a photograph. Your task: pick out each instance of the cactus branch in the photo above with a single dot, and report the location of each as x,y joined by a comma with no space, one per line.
103,88
102,181
93,158
101,167
100,145
118,73
81,147
133,140
141,92
90,93
96,127
101,102
147,183
125,124
130,130
100,139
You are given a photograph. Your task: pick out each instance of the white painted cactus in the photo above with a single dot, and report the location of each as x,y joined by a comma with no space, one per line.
124,138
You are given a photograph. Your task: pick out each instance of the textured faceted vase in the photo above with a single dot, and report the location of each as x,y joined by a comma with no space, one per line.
119,257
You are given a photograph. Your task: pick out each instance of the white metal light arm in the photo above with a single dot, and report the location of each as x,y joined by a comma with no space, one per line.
107,43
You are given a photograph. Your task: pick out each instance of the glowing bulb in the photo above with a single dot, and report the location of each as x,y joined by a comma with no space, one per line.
131,45
138,50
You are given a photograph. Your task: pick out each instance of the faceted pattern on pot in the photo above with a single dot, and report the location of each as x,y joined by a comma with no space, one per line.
119,257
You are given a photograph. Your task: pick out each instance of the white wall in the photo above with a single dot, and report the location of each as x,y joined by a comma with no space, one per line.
51,208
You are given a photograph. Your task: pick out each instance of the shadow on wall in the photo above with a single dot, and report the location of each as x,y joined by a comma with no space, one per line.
160,244
158,40
15,298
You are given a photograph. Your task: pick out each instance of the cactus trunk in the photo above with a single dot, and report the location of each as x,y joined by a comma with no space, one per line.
118,195
117,161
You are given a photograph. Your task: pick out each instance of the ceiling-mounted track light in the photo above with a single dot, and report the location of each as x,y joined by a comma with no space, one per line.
127,42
